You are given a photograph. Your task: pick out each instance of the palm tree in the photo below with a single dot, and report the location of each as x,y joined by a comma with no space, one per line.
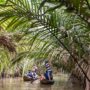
80,7
26,16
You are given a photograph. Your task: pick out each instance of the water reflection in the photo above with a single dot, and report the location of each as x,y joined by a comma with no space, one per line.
19,84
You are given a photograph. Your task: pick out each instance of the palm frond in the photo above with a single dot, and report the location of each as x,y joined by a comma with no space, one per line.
42,4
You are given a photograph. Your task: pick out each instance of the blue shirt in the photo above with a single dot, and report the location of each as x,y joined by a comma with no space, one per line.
30,74
48,73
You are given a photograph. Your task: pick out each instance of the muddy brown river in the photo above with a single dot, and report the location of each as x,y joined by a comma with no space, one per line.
61,83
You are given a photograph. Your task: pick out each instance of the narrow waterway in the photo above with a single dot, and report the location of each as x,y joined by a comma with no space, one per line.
61,83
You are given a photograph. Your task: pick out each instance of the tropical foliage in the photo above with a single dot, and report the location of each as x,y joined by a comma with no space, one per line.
47,29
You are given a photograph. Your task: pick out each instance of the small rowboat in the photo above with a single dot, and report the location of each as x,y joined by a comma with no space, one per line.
47,82
26,78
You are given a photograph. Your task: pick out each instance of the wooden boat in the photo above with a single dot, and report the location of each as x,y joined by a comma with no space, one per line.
48,82
26,78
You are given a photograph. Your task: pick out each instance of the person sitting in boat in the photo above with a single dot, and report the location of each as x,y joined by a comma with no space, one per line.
48,74
29,74
35,68
34,74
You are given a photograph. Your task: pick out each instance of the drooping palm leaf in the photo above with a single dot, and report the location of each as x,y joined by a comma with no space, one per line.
50,21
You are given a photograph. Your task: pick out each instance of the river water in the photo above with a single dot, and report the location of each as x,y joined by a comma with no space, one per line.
61,83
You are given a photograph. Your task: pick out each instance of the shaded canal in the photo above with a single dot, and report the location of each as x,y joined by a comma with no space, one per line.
61,83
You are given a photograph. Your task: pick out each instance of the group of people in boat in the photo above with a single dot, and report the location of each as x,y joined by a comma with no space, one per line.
32,74
46,76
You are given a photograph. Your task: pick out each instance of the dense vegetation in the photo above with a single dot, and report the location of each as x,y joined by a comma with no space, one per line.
32,31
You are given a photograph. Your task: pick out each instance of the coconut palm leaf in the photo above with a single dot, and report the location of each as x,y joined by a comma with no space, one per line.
19,57
50,21
74,5
42,4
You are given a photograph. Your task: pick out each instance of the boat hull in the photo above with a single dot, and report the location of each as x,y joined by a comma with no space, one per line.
26,78
44,81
